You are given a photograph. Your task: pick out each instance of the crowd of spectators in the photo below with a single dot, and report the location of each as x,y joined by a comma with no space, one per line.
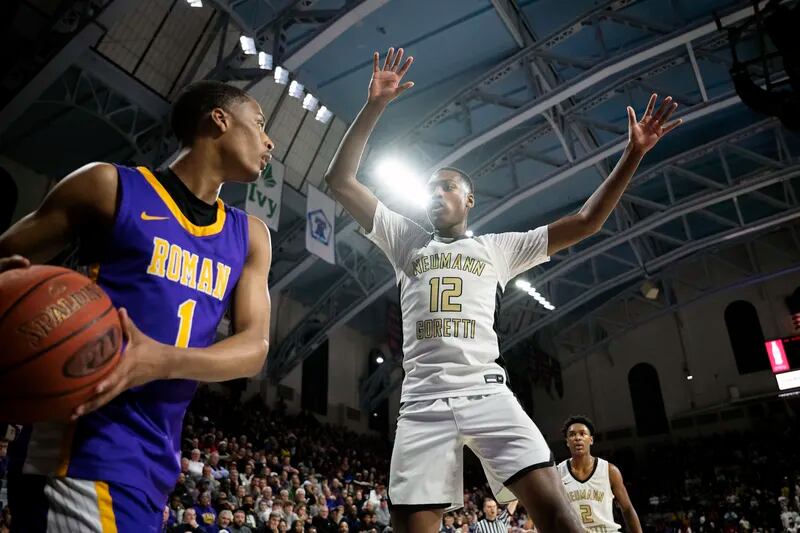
246,468
249,469
734,482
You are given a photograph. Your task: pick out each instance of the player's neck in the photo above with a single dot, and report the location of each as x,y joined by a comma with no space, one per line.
200,172
583,462
456,231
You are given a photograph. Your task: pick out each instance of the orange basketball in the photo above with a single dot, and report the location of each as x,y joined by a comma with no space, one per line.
59,336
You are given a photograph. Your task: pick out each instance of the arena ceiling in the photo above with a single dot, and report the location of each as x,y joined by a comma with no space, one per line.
528,96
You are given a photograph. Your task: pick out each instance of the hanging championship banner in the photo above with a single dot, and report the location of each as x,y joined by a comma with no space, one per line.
264,195
320,231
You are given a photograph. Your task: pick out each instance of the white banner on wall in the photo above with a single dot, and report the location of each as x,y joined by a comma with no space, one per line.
320,230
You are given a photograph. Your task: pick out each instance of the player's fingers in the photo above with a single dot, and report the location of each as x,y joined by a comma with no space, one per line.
631,117
669,112
98,401
375,58
648,112
405,67
662,108
14,261
389,59
398,57
672,125
403,88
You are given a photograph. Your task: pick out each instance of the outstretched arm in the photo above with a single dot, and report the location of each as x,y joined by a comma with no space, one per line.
624,502
642,136
341,175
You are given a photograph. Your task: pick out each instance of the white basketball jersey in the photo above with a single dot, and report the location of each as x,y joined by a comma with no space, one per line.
449,297
592,499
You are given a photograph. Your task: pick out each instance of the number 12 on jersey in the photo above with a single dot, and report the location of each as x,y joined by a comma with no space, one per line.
443,290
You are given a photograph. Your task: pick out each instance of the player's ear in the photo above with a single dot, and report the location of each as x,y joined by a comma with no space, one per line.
470,200
220,119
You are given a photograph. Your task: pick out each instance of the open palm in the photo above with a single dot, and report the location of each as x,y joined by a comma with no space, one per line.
645,133
385,83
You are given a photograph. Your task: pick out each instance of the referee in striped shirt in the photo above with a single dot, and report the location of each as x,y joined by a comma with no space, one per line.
492,522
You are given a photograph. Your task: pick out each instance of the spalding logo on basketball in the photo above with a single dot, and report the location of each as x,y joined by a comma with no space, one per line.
60,335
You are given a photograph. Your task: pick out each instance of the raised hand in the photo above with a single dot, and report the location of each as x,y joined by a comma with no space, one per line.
645,133
385,83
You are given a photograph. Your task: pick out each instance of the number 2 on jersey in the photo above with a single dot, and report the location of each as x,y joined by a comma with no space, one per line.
454,291
185,316
586,514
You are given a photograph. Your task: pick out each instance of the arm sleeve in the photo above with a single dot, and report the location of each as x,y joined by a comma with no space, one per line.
395,235
520,251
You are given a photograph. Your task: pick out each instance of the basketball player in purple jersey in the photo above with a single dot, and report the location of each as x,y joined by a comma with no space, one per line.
172,257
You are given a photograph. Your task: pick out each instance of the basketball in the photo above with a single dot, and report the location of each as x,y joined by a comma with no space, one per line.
59,336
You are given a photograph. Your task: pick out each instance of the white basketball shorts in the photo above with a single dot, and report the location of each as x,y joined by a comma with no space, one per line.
427,468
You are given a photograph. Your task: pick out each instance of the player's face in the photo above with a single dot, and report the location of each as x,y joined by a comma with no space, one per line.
449,199
246,147
579,439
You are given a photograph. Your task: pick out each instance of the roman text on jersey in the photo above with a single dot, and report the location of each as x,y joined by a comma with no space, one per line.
172,262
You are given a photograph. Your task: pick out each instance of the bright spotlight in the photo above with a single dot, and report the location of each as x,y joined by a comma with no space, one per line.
324,115
248,45
379,360
281,75
469,233
310,103
264,61
690,377
402,181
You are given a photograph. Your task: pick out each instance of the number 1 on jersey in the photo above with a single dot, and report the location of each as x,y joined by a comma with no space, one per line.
186,316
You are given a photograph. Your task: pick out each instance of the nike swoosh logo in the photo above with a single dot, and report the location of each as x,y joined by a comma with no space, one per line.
145,216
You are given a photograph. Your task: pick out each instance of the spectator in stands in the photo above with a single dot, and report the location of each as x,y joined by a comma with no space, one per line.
324,522
238,524
195,464
189,523
448,525
224,521
206,515
382,514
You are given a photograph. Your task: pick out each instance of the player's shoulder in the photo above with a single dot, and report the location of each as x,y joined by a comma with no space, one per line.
98,173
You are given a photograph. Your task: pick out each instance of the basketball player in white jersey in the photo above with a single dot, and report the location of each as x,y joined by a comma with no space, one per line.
592,483
454,393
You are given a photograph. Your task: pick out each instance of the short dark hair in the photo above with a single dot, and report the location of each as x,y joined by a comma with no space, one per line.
197,100
578,419
461,174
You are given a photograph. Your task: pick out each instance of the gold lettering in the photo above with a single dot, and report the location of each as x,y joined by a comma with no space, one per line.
206,281
457,262
158,260
221,285
189,275
445,260
174,263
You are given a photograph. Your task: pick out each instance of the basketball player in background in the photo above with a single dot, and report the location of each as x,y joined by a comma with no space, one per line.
172,257
593,483
454,393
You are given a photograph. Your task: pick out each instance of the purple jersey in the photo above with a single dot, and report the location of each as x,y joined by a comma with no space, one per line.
176,281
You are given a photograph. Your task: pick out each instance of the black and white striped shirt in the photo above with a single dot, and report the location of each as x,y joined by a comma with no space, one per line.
500,525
